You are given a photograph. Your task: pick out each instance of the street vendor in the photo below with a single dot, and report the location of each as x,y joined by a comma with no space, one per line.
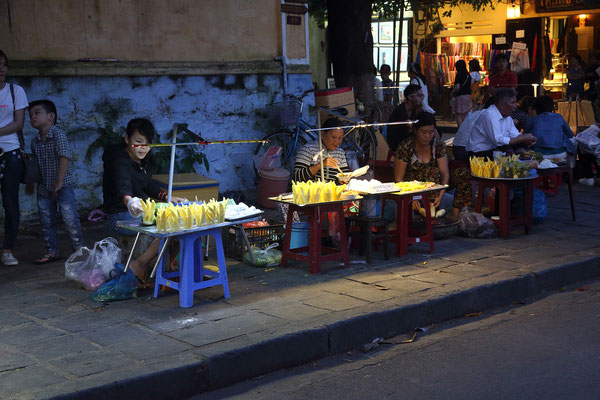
495,128
127,180
308,163
422,157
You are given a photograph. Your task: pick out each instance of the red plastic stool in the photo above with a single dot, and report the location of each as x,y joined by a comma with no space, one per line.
316,214
404,234
549,184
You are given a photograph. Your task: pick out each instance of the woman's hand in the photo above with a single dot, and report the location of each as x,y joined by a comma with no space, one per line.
438,199
416,205
330,162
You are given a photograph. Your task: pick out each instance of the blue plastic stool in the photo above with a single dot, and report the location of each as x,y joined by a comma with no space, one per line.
191,271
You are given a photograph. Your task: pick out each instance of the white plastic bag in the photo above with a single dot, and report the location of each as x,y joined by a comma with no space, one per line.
92,267
588,140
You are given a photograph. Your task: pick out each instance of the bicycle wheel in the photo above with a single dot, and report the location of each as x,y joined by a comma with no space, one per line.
361,144
289,142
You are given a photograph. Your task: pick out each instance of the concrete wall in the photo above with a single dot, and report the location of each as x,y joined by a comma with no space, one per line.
149,30
220,107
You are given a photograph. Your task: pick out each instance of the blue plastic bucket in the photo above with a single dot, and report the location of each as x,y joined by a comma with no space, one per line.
300,233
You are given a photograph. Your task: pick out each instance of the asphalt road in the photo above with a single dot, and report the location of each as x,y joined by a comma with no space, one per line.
548,348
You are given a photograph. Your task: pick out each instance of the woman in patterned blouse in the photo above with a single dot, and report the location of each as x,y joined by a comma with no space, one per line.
422,157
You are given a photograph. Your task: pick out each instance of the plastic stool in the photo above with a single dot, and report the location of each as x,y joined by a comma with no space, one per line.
366,225
404,233
191,271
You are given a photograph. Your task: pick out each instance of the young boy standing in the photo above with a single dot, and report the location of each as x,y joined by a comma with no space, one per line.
56,189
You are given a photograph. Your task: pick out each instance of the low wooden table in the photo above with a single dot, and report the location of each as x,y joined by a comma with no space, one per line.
316,252
404,235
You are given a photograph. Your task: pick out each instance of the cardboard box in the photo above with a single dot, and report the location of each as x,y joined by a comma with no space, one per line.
342,97
190,186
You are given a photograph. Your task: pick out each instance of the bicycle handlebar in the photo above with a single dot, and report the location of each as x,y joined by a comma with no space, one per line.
299,98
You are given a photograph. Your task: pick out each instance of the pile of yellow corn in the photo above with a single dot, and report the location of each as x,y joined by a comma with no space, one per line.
187,216
316,192
412,186
486,168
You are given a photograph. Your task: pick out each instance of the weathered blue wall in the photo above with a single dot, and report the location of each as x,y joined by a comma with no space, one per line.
220,107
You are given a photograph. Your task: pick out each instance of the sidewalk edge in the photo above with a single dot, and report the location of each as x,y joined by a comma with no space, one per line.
308,345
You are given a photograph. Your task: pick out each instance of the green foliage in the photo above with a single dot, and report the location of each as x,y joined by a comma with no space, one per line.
107,113
185,156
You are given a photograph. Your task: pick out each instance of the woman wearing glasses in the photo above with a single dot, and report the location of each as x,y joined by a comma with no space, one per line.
127,179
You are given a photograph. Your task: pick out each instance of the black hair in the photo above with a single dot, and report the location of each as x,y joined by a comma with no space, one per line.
501,56
424,119
410,89
375,69
385,67
143,126
415,68
544,104
47,105
502,94
474,65
577,57
461,67
3,54
526,103
332,123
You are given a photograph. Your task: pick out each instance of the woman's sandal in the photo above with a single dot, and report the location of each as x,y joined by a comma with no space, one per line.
47,258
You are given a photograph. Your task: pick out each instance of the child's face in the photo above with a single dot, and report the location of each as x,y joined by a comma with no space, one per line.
135,146
40,118
3,69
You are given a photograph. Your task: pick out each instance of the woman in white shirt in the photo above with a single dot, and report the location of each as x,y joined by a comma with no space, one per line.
13,103
417,78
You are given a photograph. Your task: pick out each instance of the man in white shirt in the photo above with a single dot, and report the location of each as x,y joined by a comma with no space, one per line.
495,128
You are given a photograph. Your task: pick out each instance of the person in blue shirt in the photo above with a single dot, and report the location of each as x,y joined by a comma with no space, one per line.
550,130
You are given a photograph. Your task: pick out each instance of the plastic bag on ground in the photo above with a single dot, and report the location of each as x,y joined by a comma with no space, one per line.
122,286
476,225
92,267
269,257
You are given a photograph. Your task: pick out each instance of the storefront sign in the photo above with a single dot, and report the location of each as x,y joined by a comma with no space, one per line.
542,6
501,40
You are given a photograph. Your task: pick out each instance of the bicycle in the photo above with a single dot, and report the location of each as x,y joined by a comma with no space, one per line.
293,132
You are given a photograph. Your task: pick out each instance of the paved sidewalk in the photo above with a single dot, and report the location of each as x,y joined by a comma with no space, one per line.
54,341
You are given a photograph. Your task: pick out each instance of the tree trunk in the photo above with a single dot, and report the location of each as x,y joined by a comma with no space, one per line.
349,21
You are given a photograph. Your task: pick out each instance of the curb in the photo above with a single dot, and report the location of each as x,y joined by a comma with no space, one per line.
308,345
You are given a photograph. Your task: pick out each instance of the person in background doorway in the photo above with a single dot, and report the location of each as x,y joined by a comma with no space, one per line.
13,103
502,77
461,92
474,69
377,85
576,76
388,94
417,78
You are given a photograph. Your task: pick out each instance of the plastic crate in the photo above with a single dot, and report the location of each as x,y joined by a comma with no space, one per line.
284,114
261,237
